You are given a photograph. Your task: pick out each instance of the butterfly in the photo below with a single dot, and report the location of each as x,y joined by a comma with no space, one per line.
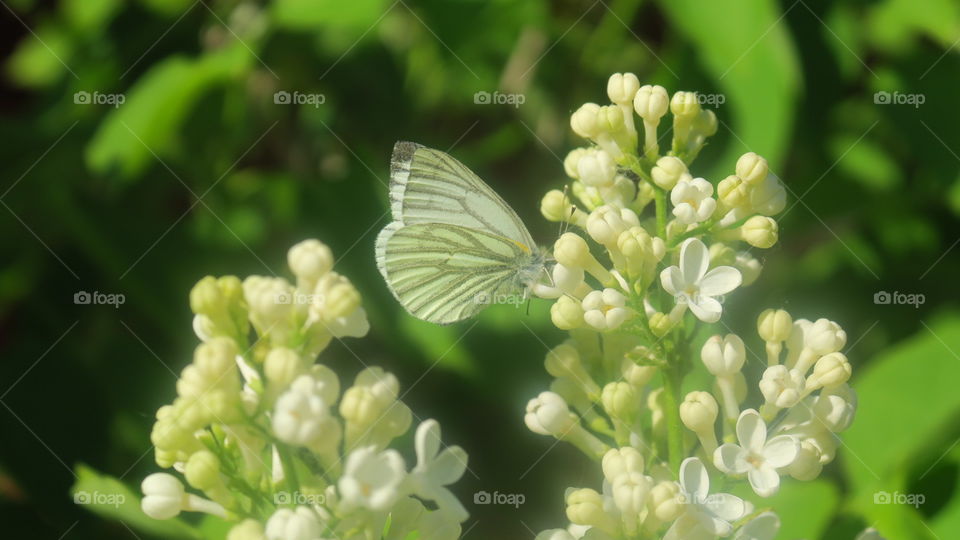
454,246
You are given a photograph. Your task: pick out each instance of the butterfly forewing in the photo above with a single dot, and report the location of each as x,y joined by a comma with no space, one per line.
430,186
445,273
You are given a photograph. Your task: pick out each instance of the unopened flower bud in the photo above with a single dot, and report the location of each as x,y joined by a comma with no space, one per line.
651,103
760,232
620,401
584,121
774,325
723,355
566,313
622,87
685,104
752,168
668,171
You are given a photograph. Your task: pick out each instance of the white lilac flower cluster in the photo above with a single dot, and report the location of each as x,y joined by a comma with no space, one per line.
268,439
652,253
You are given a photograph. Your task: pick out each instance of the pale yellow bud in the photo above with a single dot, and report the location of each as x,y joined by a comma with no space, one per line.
620,401
651,103
585,122
585,507
566,313
760,232
830,370
774,325
668,171
203,470
733,192
622,87
699,411
752,168
664,501
685,105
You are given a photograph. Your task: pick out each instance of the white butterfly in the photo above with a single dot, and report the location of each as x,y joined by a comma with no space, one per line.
454,245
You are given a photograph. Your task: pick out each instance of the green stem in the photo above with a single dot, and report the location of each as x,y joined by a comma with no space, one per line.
660,199
289,469
671,393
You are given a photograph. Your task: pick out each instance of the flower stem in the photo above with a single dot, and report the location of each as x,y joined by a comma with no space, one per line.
660,200
671,393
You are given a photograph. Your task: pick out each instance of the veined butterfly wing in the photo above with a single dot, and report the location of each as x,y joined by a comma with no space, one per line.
430,186
446,273
454,245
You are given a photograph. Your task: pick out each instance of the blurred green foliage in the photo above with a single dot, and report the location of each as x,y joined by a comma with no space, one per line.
200,172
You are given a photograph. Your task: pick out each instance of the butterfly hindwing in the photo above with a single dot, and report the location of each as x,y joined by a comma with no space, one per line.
445,273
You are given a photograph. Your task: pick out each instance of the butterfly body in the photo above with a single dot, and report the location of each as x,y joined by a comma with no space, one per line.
454,246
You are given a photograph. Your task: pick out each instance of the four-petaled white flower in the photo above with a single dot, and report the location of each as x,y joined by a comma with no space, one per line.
301,415
372,479
692,200
692,285
437,469
605,310
705,515
756,456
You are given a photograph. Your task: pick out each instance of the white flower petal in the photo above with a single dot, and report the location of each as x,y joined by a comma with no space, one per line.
725,506
449,466
763,527
672,280
751,431
713,525
694,479
694,260
720,280
780,451
731,459
427,441
705,308
764,480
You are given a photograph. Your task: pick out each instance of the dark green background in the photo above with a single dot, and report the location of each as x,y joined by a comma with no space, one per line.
200,172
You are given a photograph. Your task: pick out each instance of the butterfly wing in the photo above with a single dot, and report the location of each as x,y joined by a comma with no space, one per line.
430,186
444,273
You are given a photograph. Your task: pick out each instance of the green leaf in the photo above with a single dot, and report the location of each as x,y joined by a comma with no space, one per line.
754,64
805,508
149,120
89,15
357,15
39,60
441,346
865,162
112,499
893,422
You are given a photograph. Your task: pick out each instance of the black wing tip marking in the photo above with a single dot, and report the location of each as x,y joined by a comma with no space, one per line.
403,152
